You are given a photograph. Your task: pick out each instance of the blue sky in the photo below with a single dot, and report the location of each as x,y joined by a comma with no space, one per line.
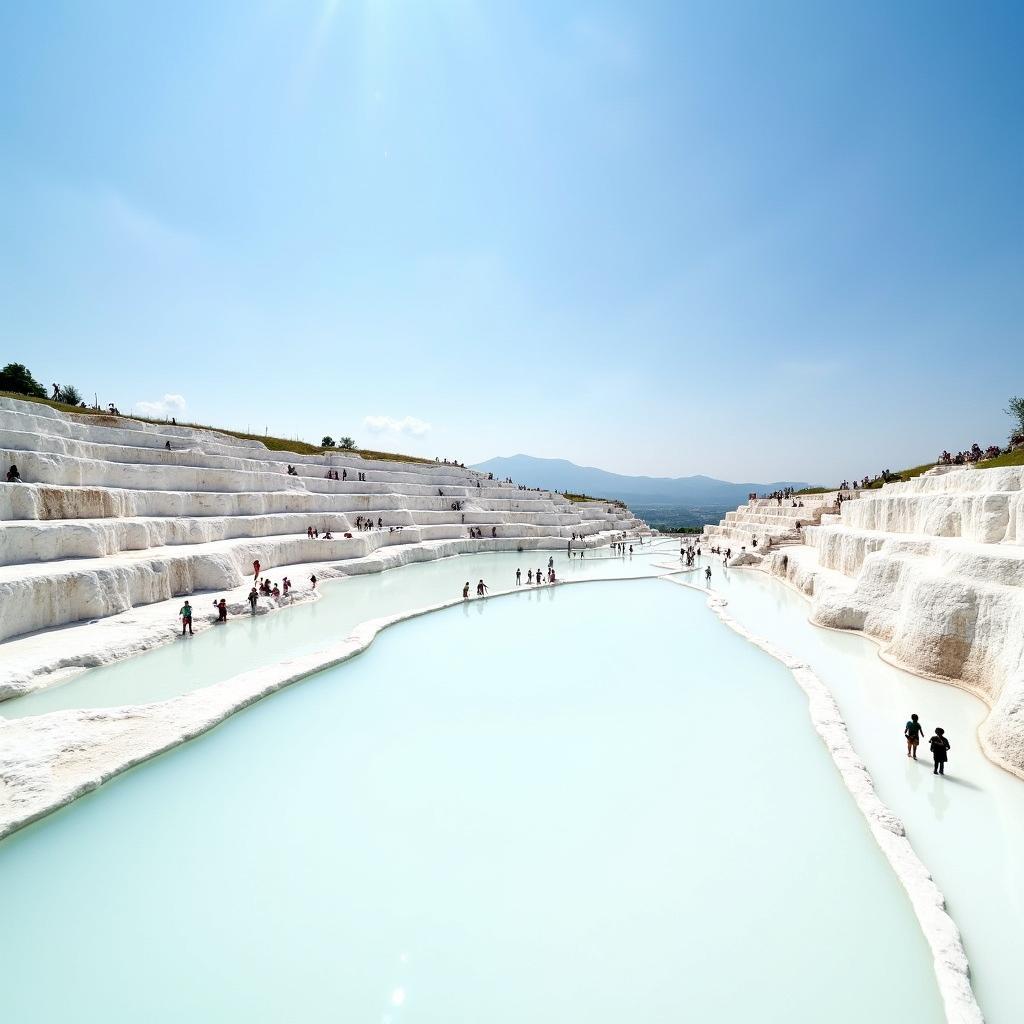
751,240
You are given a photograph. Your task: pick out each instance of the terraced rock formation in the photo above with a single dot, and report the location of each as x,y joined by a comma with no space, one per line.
933,569
109,520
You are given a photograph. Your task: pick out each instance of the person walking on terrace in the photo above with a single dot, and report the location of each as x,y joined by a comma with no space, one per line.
465,591
913,731
707,575
481,589
253,598
519,577
255,568
940,749
186,618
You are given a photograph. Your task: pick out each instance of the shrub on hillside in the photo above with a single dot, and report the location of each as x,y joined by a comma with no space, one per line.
347,443
17,378
327,441
70,394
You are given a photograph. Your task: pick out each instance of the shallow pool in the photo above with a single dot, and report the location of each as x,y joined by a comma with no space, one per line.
217,654
588,803
967,827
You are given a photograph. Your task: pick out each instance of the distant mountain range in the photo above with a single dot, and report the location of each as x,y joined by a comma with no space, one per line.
560,475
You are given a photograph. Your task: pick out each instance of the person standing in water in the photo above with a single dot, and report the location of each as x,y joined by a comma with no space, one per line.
519,577
913,731
940,747
312,579
707,575
186,618
465,591
481,589
253,598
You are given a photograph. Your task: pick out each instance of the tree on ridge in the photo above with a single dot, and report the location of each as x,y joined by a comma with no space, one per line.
1016,410
18,378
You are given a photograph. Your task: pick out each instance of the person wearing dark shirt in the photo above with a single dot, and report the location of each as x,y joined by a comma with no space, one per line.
940,747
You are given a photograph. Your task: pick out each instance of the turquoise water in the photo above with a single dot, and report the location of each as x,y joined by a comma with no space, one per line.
587,803
967,827
220,653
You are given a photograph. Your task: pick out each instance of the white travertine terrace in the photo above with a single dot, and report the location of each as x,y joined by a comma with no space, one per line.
768,522
109,523
933,569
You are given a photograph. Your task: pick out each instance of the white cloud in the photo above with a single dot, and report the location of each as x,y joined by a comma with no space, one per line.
389,425
169,405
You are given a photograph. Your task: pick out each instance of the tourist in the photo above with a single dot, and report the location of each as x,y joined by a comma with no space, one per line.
255,568
186,618
312,579
465,591
481,589
529,576
253,598
707,575
167,445
519,577
222,610
276,592
13,476
551,562
939,746
912,731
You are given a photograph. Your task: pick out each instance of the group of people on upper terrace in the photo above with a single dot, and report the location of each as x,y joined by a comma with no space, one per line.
975,454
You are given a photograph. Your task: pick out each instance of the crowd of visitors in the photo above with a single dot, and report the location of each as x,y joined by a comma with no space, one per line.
975,454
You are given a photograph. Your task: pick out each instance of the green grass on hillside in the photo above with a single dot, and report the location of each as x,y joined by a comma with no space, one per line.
575,498
1015,458
277,444
903,474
